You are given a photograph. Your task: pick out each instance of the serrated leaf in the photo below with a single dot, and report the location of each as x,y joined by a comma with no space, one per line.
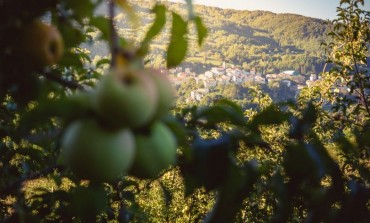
201,29
178,44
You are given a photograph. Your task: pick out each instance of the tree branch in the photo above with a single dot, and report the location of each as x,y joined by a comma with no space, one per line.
113,34
57,78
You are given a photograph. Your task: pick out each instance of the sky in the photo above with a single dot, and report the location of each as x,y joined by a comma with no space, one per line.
323,9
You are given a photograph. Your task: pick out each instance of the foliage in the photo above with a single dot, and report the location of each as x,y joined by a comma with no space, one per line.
271,162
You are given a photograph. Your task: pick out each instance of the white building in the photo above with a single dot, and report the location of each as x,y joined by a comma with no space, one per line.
197,95
218,70
208,74
313,77
290,72
237,79
210,83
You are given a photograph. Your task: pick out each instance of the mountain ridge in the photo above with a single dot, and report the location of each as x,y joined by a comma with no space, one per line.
258,39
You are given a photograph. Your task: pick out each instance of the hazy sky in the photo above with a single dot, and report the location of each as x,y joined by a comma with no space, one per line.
324,9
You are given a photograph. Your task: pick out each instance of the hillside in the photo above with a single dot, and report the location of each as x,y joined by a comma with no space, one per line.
266,41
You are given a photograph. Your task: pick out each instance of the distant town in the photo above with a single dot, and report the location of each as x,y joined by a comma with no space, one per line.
224,75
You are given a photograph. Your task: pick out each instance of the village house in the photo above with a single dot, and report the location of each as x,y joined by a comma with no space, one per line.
290,72
210,83
175,81
175,70
238,79
198,94
313,77
233,71
218,70
182,75
209,74
259,79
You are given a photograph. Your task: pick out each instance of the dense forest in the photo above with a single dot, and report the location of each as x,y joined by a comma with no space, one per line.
90,130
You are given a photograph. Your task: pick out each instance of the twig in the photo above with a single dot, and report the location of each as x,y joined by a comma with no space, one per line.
58,79
361,84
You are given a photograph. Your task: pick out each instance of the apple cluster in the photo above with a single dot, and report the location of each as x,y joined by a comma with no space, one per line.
125,135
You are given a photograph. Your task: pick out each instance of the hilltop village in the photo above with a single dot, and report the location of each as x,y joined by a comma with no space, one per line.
222,76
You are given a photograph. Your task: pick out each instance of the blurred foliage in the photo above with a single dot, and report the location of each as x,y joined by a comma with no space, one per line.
267,162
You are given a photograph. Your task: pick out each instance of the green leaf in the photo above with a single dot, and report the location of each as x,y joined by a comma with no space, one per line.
87,202
201,29
222,113
71,58
206,163
236,187
159,22
82,8
268,116
72,36
177,129
102,24
178,44
103,61
70,108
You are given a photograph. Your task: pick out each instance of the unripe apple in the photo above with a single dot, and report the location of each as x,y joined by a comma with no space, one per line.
166,92
41,44
126,98
95,153
155,151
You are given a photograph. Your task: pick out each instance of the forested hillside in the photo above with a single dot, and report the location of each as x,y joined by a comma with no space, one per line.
262,40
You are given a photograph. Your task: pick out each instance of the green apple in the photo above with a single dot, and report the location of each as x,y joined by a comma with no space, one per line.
95,153
126,98
41,44
166,92
155,151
